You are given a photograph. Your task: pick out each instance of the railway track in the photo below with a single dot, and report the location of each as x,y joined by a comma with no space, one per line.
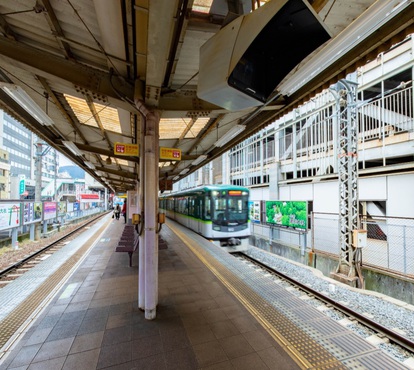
19,268
380,330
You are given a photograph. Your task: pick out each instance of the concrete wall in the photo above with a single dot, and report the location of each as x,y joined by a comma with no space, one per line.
395,286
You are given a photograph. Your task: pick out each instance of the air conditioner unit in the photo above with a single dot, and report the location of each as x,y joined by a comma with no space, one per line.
243,63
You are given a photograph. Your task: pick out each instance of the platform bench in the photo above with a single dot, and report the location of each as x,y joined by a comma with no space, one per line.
128,243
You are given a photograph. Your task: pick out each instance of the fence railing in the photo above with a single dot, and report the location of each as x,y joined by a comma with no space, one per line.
390,240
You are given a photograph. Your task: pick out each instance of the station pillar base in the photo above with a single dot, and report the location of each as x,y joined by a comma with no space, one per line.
351,281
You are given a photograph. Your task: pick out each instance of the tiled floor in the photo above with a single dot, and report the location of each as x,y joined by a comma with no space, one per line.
94,322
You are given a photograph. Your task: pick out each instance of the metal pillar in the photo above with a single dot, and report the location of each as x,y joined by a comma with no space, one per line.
350,258
38,184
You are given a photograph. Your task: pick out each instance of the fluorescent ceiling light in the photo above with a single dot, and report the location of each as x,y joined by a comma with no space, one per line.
370,21
26,102
199,159
176,178
184,171
72,147
232,133
99,173
90,165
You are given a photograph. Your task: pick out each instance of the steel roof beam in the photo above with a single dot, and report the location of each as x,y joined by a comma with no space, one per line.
87,78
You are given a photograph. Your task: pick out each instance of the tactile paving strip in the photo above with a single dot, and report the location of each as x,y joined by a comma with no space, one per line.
11,323
313,340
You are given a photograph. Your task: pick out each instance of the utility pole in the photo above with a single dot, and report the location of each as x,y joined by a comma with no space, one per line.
38,184
40,152
348,270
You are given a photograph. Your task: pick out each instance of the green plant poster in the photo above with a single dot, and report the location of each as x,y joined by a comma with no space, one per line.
287,213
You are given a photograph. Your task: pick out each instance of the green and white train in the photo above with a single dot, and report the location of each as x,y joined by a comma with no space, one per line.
217,212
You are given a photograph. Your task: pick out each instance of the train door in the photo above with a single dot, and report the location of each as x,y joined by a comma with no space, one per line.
198,213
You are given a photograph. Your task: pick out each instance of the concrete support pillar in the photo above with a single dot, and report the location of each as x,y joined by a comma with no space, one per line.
151,176
14,237
141,250
32,232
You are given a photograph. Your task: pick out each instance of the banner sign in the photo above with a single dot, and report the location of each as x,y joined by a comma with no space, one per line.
62,208
32,212
288,214
38,211
254,208
22,186
49,210
9,215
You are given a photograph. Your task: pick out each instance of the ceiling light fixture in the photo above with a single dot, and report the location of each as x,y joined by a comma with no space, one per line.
199,159
27,103
90,165
184,171
375,17
108,161
72,147
231,134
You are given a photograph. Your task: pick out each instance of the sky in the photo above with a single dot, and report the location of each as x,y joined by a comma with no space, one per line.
64,161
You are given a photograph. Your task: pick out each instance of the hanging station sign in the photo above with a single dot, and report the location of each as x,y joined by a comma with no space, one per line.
171,154
126,149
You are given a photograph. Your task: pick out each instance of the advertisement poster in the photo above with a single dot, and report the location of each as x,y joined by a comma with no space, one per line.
9,215
28,213
61,208
32,212
288,214
254,209
38,212
49,210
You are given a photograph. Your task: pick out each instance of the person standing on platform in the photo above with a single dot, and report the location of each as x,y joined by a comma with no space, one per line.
117,211
124,211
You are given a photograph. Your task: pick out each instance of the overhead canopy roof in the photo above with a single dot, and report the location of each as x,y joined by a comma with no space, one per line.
87,62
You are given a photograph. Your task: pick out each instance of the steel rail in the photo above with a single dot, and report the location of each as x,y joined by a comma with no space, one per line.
390,334
18,264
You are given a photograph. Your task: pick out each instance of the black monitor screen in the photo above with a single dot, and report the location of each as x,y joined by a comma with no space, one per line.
290,36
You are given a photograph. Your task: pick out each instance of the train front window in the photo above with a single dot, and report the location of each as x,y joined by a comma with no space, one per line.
230,207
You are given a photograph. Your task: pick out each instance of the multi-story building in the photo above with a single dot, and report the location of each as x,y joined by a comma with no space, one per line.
22,148
4,174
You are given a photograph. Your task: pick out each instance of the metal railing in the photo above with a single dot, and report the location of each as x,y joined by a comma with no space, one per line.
390,240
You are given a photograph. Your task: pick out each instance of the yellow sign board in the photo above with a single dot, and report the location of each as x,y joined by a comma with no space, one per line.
126,149
170,153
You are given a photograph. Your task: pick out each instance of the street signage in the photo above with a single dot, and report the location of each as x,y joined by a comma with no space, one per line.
22,186
126,149
172,154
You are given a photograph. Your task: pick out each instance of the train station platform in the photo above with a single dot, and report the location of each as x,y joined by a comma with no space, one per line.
214,312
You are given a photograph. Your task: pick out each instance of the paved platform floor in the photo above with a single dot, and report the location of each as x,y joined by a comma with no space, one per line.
94,323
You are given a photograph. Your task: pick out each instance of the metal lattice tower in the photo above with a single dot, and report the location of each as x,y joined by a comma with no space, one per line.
345,92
